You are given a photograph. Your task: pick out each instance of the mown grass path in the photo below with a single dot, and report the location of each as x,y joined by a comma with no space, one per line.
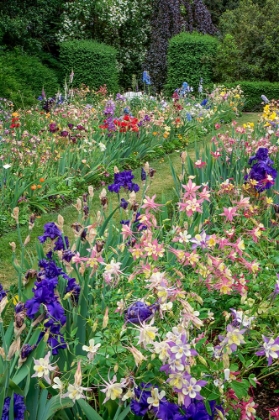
163,184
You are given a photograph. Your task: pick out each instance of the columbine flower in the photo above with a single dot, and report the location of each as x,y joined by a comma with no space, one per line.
154,399
43,368
112,390
270,349
190,389
233,338
75,392
91,349
147,333
200,240
58,384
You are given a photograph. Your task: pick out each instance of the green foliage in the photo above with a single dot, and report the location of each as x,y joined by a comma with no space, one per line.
227,61
94,64
253,91
190,57
22,78
255,31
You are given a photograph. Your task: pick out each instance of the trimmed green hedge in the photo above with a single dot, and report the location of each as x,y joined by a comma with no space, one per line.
190,58
22,78
94,64
253,91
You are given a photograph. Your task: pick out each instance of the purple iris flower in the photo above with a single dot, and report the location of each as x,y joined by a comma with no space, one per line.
143,174
139,406
26,350
19,408
61,243
123,203
68,255
123,180
197,411
166,410
262,171
74,288
139,312
119,97
2,292
50,231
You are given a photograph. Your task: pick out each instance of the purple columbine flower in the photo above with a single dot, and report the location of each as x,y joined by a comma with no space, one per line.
19,408
50,231
139,312
234,337
200,240
190,389
270,349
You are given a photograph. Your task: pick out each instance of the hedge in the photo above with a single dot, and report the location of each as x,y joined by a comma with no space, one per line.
22,78
253,92
190,57
94,64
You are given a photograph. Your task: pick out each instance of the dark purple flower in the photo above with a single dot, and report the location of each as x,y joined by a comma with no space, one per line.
19,307
26,350
166,410
143,174
139,312
53,127
64,133
50,231
19,408
80,127
123,203
2,292
197,411
61,243
74,288
70,126
139,406
68,255
123,180
262,171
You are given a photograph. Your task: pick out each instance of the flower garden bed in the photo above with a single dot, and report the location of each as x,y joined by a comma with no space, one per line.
150,310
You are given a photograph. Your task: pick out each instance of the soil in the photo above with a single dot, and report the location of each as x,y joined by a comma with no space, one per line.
265,396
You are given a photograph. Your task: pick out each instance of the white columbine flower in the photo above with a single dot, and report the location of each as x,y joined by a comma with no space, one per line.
155,398
42,368
6,166
58,384
91,349
112,390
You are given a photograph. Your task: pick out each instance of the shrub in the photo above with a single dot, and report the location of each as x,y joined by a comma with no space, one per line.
22,78
253,91
94,64
190,57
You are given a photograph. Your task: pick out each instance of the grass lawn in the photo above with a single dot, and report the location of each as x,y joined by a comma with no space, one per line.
163,184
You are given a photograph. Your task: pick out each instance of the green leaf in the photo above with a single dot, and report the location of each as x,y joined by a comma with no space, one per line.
89,411
53,405
239,388
124,413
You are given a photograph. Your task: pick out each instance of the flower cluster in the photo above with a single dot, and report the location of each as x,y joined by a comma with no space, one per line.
262,174
123,180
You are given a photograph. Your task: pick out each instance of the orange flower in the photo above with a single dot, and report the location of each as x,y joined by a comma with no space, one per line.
42,179
33,187
39,186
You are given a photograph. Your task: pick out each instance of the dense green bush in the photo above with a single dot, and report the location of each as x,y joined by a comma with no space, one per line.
190,57
22,78
253,91
94,64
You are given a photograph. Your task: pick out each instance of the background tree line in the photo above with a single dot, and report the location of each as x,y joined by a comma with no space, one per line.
247,30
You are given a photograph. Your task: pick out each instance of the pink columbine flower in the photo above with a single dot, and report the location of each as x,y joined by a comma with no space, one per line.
149,204
229,213
190,189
